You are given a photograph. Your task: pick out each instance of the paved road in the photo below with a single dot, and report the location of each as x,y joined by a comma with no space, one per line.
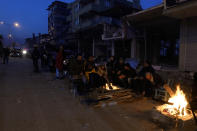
38,102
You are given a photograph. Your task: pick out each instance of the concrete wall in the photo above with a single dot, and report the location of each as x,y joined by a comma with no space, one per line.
188,45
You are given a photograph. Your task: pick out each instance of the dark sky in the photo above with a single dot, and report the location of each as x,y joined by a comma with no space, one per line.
32,16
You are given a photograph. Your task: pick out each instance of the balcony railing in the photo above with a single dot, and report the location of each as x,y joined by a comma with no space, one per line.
172,3
94,21
92,7
87,8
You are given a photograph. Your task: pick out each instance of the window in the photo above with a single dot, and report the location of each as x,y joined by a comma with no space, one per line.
177,48
107,3
163,50
77,21
77,6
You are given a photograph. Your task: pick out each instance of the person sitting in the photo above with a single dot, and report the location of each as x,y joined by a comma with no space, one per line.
126,75
89,67
147,81
147,67
119,67
99,78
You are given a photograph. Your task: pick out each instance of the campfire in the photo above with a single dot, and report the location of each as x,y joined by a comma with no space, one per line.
111,87
177,106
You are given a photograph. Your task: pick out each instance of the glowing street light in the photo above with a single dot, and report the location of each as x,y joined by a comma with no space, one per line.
16,24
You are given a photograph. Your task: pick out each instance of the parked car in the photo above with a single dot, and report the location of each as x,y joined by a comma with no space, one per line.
15,53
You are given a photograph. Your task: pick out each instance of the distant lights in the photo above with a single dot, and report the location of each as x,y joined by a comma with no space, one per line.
1,22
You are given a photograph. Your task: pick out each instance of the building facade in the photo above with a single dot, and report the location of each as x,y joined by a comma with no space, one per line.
165,34
86,22
41,40
58,23
186,12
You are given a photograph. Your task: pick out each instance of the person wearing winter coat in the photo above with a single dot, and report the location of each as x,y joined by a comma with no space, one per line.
59,63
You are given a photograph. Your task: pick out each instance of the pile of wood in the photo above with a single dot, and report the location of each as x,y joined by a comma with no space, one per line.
170,121
115,97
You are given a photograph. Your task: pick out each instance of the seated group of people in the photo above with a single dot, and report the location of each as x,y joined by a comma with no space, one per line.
143,80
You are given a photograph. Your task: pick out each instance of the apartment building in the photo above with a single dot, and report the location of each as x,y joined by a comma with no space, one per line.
89,18
58,23
82,23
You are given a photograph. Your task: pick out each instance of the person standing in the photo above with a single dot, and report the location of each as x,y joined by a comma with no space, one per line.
35,58
6,53
111,68
1,47
59,63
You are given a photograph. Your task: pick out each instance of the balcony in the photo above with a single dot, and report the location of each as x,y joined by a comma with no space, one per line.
92,7
94,22
180,9
85,2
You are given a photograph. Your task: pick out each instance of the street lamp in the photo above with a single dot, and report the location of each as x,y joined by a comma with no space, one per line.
16,24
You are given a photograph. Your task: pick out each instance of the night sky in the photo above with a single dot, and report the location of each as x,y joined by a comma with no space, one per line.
32,16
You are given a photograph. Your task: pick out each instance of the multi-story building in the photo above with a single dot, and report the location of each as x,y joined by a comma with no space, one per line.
32,41
57,21
40,40
84,22
89,18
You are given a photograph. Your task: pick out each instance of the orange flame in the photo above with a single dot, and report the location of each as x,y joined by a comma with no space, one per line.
113,87
179,103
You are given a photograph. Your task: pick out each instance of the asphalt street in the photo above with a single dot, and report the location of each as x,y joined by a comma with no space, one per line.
38,102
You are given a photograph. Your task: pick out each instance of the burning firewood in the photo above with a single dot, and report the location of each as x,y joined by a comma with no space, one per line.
169,90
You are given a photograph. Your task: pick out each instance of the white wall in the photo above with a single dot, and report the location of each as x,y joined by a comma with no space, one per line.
188,45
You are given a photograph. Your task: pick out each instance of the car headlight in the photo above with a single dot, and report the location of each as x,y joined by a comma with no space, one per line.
24,52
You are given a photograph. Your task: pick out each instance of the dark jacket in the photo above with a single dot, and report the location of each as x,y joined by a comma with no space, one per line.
89,66
111,65
146,70
35,54
131,73
76,67
6,52
119,67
